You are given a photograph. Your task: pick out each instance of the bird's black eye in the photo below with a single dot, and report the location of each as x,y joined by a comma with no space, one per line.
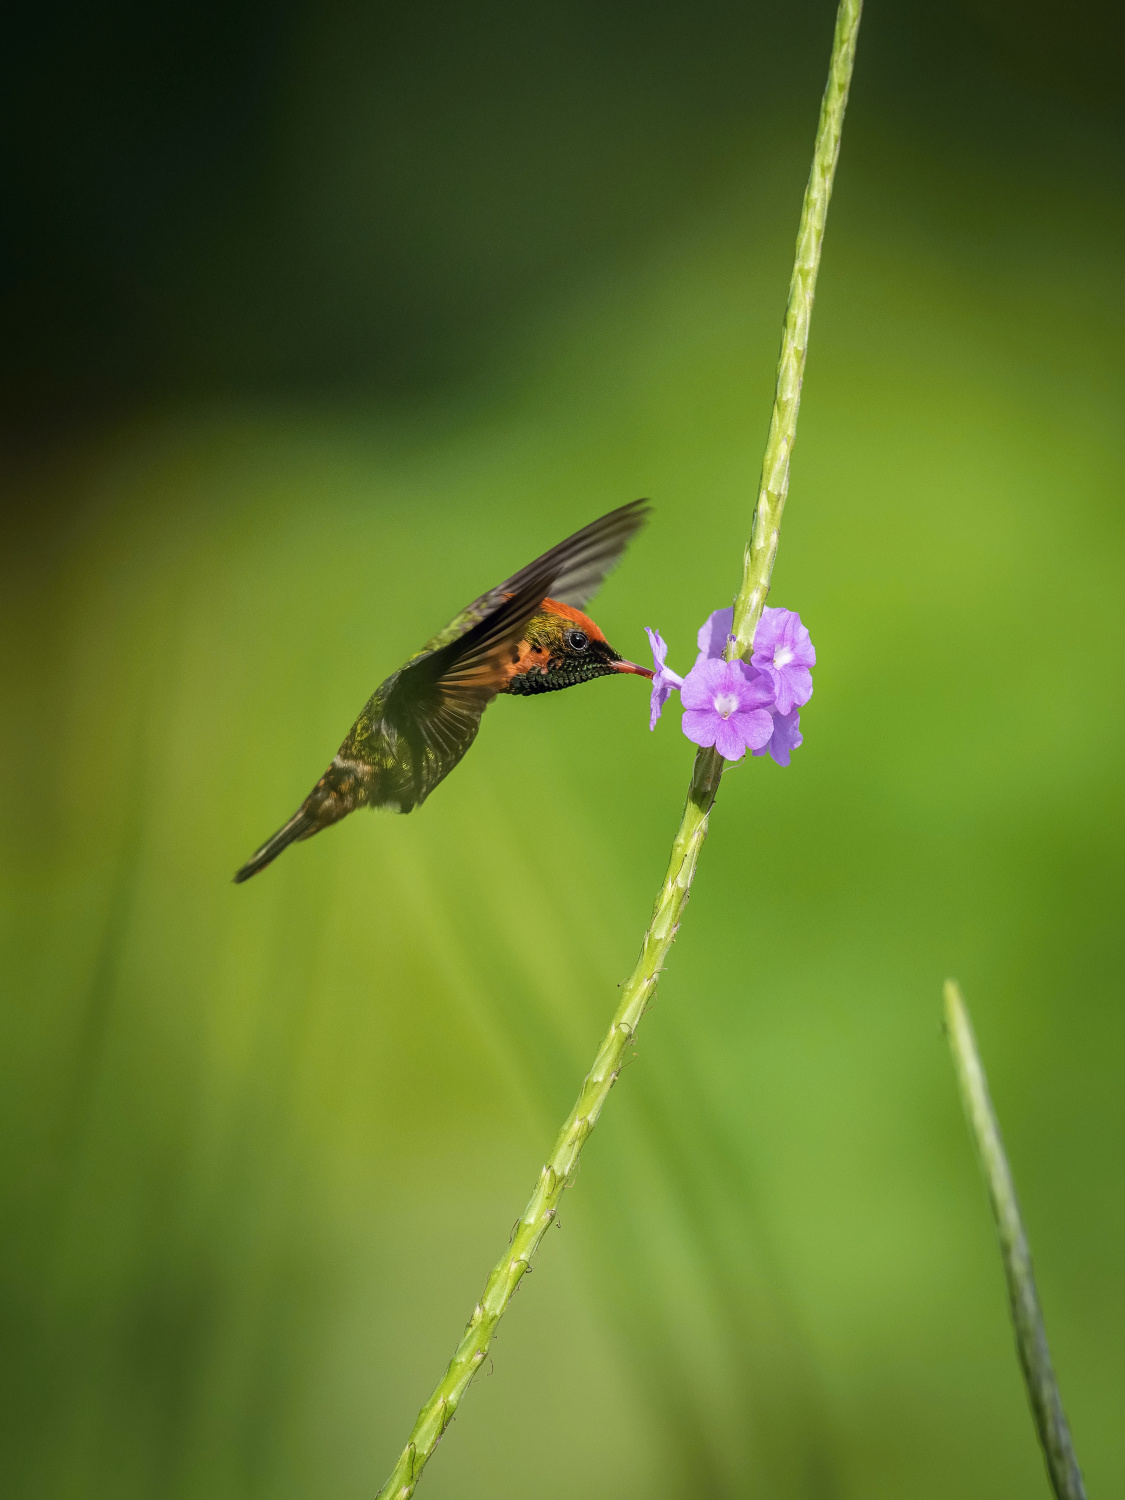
577,640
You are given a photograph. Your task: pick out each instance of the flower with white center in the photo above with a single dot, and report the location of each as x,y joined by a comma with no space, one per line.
727,704
782,649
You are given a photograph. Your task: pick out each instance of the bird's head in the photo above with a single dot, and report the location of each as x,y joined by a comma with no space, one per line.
562,647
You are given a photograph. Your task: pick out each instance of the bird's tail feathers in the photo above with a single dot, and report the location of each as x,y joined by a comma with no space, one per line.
303,823
343,787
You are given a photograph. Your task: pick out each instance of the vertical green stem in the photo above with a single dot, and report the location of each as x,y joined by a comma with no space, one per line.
1031,1337
638,990
773,487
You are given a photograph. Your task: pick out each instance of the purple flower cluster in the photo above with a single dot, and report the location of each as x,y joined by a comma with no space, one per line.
736,705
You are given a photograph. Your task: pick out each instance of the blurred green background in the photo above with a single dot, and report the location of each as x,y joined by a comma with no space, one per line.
318,321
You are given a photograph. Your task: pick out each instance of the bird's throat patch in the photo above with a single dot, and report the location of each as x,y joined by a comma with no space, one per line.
557,676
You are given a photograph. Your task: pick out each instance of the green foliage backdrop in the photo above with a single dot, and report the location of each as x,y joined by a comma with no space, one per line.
259,1146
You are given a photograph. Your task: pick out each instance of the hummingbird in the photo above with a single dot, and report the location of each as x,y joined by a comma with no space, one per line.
527,635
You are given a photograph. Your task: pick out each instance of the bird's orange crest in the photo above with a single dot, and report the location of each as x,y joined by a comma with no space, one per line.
575,616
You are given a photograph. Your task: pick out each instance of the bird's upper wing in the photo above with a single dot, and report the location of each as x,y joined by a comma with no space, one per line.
575,568
581,562
437,699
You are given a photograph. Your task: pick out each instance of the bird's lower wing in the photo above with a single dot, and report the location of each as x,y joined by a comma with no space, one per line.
436,703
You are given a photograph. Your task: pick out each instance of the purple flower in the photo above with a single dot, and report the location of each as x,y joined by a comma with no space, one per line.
727,704
738,705
783,650
785,738
715,631
664,680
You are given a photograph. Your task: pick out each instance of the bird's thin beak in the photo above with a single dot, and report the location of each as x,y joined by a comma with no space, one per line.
630,666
